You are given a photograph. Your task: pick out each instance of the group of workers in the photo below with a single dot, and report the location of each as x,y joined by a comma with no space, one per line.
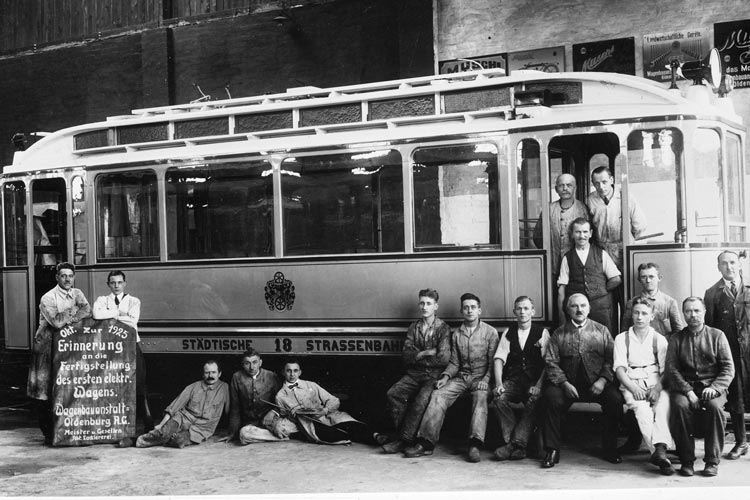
674,374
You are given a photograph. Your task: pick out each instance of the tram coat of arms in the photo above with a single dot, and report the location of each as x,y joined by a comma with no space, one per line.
279,293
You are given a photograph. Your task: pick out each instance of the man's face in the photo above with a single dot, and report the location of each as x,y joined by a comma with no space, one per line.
65,279
728,266
695,313
649,279
578,308
642,316
565,187
581,234
251,365
470,310
524,311
292,372
427,307
603,184
116,284
211,373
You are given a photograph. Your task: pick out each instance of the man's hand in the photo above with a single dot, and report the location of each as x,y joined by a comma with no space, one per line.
598,386
441,382
426,353
693,399
534,392
639,393
653,394
482,386
570,390
499,389
709,393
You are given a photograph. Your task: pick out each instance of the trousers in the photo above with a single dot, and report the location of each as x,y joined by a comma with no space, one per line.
684,421
407,401
515,430
442,399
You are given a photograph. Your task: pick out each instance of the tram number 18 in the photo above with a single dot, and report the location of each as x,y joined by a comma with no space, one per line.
284,345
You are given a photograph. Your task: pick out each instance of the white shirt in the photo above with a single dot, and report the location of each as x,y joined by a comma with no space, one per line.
129,310
608,265
503,348
641,364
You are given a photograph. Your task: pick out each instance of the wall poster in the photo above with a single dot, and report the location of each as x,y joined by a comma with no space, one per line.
613,56
660,49
93,363
733,41
549,60
474,63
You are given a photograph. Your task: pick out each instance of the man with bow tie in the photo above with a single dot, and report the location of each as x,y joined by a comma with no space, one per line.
122,306
316,413
727,307
61,306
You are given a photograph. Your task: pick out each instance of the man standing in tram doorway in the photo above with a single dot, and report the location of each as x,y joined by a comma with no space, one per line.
727,309
427,350
126,308
605,206
61,306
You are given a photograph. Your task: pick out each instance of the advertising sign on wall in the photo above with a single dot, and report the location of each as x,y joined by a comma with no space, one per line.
614,56
474,63
733,41
660,49
549,60
93,364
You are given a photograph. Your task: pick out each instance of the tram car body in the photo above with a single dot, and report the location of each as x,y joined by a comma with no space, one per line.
304,223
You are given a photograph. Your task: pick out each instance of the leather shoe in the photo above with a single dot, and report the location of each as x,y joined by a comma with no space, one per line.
396,446
710,469
659,458
738,450
418,450
380,438
504,452
552,458
474,455
518,453
613,457
687,469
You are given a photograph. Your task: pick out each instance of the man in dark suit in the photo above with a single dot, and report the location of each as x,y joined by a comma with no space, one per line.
727,308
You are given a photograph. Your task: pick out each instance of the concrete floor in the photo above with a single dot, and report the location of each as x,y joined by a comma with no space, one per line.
276,470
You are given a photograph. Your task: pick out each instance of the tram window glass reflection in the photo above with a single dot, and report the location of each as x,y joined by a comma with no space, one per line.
456,196
704,187
735,191
654,180
343,203
529,190
127,215
220,211
14,205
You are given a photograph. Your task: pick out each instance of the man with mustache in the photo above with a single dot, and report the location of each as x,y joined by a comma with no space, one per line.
193,416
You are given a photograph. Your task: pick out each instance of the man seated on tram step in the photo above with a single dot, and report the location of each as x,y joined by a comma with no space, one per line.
519,375
122,306
667,318
589,270
473,346
579,368
427,349
307,411
193,415
639,362
699,371
605,207
252,392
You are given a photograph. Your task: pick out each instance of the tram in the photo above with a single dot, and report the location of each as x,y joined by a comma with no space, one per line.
305,222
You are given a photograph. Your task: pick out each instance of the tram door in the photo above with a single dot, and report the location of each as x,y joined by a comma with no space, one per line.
49,233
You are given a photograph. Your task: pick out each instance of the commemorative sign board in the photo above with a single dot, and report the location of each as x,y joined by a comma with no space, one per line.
93,365
613,56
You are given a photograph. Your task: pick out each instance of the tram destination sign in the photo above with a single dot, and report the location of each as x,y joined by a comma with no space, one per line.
93,365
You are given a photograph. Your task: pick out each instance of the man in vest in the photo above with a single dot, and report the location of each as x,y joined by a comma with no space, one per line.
727,305
519,374
639,362
588,270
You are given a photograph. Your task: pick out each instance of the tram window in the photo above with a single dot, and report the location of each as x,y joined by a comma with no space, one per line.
529,190
220,211
704,187
654,179
80,220
14,206
456,197
343,203
127,224
735,198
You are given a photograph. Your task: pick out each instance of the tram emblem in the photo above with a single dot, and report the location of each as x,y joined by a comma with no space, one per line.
279,293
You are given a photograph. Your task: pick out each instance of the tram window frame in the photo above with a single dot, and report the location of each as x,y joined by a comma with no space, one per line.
343,203
704,156
655,180
149,190
202,199
529,193
735,191
16,242
427,183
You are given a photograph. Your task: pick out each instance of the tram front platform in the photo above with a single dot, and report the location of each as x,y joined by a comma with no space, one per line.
294,469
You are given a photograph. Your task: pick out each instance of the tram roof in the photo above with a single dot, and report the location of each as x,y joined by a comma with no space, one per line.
382,112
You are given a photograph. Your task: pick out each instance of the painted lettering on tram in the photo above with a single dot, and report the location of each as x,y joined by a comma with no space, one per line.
216,344
282,345
355,345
